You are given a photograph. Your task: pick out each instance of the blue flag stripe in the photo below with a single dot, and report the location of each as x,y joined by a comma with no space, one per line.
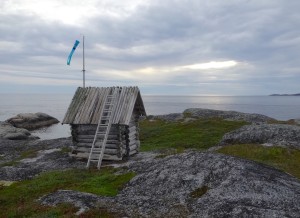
72,51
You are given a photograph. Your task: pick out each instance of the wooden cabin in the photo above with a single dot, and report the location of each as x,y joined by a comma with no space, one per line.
84,115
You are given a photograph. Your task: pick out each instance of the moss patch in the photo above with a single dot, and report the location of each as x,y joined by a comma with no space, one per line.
197,193
23,204
31,153
285,159
198,134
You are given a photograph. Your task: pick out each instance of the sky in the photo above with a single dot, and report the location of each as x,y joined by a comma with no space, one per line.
166,47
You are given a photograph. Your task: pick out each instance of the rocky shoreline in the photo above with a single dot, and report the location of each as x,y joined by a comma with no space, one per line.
191,184
19,126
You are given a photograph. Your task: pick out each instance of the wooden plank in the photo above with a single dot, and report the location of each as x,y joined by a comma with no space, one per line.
84,111
105,156
112,146
96,115
131,107
133,152
106,151
132,142
77,104
133,147
125,104
131,129
83,114
81,105
91,107
91,137
71,106
132,134
90,141
129,102
118,107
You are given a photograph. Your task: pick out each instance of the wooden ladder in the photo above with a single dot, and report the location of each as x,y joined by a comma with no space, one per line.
103,128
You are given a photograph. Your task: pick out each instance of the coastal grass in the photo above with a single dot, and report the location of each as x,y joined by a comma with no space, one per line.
197,134
288,122
285,159
20,199
30,153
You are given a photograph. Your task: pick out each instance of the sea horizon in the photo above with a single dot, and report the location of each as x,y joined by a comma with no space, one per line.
56,105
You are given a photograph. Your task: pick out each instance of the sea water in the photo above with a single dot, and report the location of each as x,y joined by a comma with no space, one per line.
56,105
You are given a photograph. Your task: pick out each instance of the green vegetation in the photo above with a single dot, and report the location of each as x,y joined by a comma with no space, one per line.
284,159
31,153
197,193
66,150
198,134
19,199
289,122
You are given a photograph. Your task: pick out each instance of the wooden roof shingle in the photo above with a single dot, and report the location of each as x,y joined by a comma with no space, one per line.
87,103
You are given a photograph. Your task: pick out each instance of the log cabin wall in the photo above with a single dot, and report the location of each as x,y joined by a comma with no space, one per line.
123,140
83,116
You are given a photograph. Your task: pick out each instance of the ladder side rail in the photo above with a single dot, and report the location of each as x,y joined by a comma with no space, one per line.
113,105
95,137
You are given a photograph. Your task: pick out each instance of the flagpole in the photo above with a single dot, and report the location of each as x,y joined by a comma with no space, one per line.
83,63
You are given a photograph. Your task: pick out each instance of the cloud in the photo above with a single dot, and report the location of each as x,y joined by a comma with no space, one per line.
225,47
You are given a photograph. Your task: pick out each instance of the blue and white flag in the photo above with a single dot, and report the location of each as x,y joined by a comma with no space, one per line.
71,53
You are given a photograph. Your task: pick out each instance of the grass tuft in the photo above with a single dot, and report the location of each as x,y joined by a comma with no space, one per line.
285,159
197,193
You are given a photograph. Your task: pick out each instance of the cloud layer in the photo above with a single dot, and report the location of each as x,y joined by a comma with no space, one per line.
180,47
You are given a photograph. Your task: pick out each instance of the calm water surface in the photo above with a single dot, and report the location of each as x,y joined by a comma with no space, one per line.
278,107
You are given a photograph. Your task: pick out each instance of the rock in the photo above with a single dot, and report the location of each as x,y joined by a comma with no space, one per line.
275,134
31,121
83,201
197,184
8,131
169,117
44,156
229,115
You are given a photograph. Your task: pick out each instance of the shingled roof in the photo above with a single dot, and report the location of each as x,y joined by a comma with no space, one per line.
87,103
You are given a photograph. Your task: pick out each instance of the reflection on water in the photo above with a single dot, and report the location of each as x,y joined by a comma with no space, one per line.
53,132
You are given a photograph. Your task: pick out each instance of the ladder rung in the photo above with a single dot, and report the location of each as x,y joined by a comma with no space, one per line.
96,151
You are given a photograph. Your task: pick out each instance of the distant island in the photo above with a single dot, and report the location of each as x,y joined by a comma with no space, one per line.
298,94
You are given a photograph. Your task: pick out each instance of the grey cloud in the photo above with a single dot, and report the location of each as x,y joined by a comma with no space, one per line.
264,35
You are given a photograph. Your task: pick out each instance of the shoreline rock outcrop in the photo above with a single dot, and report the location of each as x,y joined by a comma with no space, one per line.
272,134
228,115
43,155
200,113
197,184
8,131
32,121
